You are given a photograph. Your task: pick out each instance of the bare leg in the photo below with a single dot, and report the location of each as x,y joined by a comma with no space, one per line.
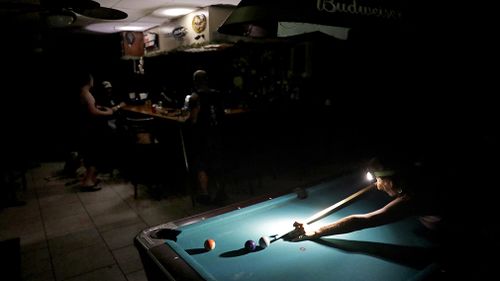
89,182
203,181
203,197
90,176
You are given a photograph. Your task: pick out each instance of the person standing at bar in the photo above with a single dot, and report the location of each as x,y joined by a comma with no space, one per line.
93,132
109,98
205,113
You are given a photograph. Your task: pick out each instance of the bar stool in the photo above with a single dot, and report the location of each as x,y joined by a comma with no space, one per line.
142,147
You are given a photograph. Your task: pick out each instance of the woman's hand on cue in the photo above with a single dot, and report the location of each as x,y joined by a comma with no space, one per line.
301,232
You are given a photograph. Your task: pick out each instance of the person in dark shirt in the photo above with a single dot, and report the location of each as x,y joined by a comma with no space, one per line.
108,97
205,114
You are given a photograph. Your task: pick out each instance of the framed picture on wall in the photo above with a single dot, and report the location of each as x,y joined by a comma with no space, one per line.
151,41
132,44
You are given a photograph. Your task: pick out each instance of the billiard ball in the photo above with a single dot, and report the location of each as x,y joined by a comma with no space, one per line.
264,242
250,245
209,244
301,192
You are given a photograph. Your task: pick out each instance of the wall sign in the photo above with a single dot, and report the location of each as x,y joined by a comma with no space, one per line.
199,23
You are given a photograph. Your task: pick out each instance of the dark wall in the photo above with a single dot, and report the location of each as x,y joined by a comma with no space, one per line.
37,94
427,81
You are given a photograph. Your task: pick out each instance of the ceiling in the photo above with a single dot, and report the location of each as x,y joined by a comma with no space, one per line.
140,12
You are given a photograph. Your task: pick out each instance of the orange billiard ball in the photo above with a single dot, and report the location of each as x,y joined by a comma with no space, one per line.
209,244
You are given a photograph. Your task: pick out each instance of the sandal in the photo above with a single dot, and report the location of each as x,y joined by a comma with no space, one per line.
91,188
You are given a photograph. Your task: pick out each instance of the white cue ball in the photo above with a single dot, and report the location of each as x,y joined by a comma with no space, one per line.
264,242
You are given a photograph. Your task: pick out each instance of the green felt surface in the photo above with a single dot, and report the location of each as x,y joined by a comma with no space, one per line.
390,252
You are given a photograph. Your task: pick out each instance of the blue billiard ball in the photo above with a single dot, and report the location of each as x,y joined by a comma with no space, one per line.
250,245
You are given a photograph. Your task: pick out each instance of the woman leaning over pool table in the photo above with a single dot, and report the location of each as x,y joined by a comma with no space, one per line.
452,201
416,191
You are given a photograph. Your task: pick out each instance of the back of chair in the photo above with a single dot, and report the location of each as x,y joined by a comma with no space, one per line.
140,130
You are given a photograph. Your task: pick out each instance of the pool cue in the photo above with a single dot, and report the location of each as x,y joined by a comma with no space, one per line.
339,204
333,207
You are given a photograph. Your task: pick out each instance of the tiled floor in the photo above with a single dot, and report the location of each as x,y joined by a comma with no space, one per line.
69,235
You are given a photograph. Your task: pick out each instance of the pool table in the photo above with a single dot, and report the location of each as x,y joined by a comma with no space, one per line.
397,251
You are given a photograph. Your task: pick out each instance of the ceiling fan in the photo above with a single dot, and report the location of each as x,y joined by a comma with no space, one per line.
56,12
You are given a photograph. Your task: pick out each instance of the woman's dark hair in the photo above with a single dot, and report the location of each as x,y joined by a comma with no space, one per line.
81,79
